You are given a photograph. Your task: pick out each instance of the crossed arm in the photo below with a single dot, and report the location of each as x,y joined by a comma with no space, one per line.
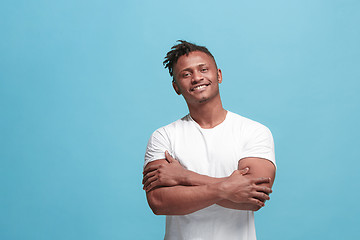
174,190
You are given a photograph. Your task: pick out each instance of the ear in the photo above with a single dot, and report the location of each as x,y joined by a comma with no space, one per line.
176,88
219,75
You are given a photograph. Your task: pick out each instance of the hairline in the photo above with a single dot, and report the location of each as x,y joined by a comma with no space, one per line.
187,54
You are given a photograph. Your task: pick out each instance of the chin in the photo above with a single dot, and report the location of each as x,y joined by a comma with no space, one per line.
203,100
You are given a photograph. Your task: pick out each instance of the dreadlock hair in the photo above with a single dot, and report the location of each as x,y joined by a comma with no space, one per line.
182,48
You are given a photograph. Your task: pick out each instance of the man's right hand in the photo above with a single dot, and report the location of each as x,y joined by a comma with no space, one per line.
240,188
168,174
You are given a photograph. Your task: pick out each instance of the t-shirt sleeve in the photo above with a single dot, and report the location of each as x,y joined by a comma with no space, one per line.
157,145
259,144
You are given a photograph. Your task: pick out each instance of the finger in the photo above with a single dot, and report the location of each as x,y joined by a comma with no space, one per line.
263,189
244,171
168,157
149,182
262,180
256,202
151,168
146,176
261,196
152,185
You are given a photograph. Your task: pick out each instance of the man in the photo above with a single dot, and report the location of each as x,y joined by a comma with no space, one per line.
209,171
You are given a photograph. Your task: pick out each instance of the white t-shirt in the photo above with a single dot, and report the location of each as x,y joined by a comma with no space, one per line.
214,152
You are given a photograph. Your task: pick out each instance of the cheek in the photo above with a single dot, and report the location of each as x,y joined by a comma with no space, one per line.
182,88
212,77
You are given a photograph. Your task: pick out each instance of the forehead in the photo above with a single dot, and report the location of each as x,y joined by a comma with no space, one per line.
193,59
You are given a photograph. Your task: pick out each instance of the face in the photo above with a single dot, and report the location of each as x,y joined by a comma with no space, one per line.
197,78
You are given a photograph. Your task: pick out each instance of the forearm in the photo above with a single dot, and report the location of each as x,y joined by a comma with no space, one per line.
182,200
172,190
195,179
238,206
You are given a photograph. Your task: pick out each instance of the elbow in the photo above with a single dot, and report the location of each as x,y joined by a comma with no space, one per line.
155,204
255,208
157,210
162,205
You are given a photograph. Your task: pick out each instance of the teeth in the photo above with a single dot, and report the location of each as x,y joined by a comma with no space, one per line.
199,87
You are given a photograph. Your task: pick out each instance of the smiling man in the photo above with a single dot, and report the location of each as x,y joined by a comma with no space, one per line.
210,170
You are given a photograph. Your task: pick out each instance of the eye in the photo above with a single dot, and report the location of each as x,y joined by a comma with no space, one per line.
186,74
204,69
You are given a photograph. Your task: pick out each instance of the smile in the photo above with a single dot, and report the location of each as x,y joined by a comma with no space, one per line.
199,87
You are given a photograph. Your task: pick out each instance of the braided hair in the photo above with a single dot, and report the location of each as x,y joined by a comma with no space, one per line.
180,49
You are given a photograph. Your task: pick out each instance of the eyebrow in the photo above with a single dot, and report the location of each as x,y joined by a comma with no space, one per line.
189,69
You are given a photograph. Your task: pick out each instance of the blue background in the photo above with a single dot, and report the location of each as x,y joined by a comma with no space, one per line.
82,87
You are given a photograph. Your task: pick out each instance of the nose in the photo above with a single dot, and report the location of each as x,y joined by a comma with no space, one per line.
197,76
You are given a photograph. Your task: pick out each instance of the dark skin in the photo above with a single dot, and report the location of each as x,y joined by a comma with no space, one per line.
244,191
174,190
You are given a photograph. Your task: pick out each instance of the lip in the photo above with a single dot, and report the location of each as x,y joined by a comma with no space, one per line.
199,85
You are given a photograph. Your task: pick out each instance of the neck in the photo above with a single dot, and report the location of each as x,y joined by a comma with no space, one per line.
209,114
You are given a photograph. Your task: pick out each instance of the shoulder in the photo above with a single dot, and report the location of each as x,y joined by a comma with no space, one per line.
170,129
256,139
162,139
246,124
